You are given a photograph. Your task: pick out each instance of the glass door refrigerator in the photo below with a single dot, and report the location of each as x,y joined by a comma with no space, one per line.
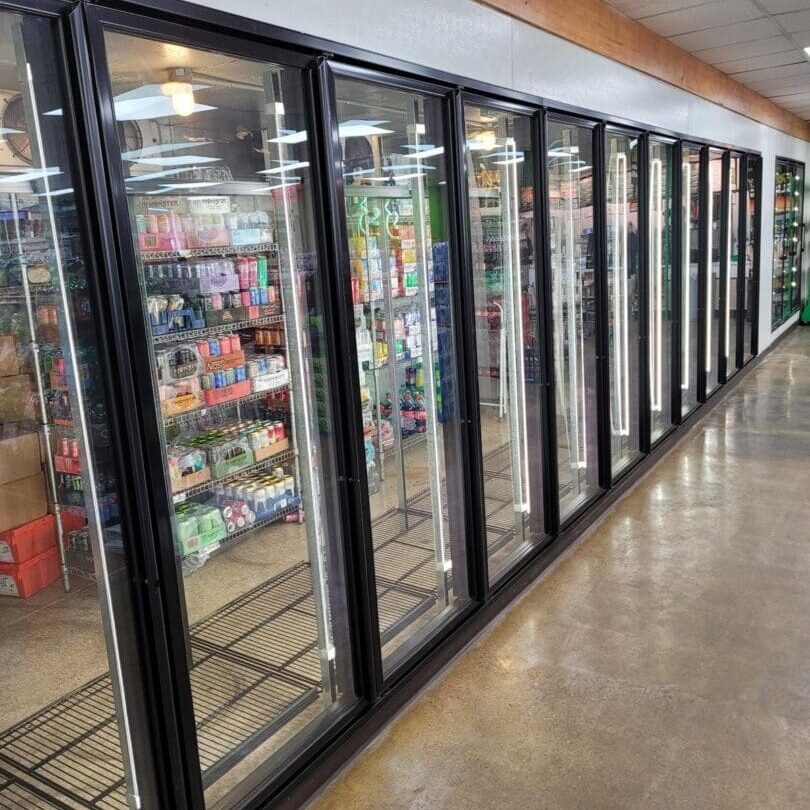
393,155
692,202
716,199
572,260
660,284
222,281
499,166
623,269
787,240
750,280
733,279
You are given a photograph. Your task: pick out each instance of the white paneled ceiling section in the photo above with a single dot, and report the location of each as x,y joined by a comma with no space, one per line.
760,43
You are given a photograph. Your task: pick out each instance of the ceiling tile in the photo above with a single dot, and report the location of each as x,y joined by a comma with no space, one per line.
782,72
709,15
782,6
801,38
775,87
757,47
726,35
794,21
799,98
644,8
790,57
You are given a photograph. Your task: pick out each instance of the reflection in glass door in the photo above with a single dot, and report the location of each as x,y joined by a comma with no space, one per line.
751,200
500,187
622,266
571,246
733,249
660,287
394,174
71,725
216,164
691,183
715,202
787,241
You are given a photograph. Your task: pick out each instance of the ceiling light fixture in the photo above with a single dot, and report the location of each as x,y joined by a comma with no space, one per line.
180,90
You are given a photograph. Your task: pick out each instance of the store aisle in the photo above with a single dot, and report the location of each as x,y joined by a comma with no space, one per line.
661,664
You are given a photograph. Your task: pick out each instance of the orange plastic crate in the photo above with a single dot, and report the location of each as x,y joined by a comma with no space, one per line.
29,578
21,543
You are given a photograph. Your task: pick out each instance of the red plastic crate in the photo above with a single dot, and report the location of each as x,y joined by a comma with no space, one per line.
29,578
24,542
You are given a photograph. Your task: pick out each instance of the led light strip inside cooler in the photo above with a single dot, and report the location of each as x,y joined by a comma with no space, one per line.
656,285
620,418
686,262
517,377
728,264
576,337
710,215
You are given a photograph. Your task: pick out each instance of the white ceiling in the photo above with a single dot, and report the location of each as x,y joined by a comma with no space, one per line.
757,42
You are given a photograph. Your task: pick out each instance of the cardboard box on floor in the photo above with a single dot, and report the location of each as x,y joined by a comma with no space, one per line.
17,399
19,458
22,501
9,364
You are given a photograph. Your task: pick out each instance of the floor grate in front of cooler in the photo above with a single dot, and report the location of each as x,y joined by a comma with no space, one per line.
242,695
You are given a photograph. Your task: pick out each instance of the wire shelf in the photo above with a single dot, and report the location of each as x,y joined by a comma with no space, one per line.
191,335
190,416
202,253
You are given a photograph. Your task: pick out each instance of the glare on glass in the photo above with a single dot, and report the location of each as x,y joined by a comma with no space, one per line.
216,163
569,161
500,188
691,182
394,179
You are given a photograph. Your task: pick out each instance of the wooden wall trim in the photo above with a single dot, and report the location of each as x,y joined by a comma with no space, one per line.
600,28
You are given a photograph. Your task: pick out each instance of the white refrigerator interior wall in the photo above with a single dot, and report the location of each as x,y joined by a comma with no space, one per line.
471,40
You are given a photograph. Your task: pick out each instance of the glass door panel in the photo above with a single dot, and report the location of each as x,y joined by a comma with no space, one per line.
394,173
733,275
691,184
70,730
217,171
571,244
787,241
500,187
751,248
622,266
715,201
660,287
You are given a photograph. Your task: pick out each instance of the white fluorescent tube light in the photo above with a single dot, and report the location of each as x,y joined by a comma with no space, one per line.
426,151
356,128
290,136
398,177
36,174
287,167
146,151
177,160
140,178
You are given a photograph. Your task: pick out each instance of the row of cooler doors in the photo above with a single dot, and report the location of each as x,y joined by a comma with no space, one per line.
348,404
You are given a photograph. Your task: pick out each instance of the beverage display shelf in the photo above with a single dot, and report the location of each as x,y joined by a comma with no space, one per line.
278,458
203,253
240,534
221,329
16,294
190,416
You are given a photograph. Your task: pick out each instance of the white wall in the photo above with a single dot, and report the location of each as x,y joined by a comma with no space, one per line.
463,37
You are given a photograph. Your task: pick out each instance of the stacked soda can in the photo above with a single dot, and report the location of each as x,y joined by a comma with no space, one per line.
266,364
219,346
264,493
222,379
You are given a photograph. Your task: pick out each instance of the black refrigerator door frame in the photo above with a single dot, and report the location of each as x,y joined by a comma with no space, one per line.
151,750
477,493
675,284
736,347
642,366
725,266
144,431
704,226
757,225
549,117
457,614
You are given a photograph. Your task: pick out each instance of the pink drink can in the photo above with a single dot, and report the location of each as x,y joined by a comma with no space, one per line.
236,344
225,345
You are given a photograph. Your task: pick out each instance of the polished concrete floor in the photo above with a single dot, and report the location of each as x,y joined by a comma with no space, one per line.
664,662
